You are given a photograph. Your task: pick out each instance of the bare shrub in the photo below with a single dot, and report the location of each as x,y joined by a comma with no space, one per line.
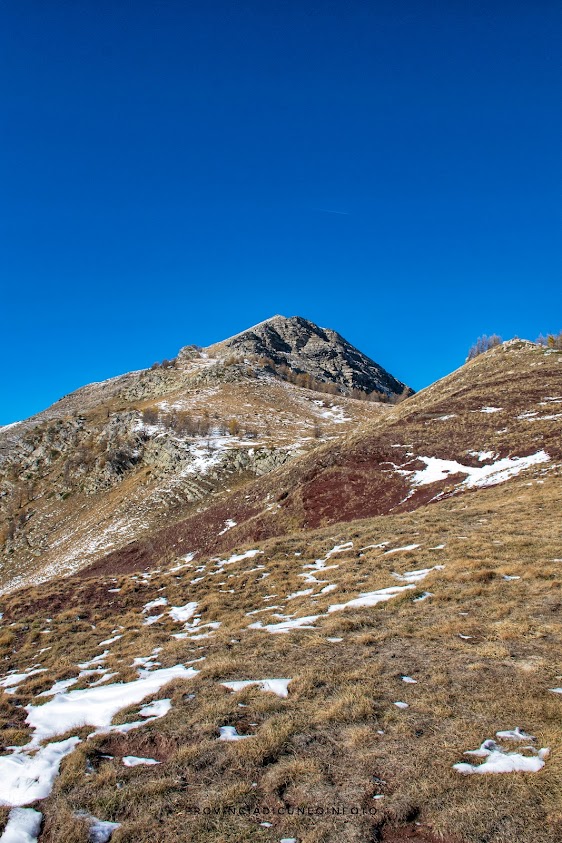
482,344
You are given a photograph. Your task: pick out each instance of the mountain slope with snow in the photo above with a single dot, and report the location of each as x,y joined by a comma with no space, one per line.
335,620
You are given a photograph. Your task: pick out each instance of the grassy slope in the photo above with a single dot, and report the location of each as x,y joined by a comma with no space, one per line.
321,745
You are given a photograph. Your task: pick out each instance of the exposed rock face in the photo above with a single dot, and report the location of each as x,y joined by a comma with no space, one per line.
307,349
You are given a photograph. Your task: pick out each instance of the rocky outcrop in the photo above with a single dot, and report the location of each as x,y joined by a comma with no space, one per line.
307,349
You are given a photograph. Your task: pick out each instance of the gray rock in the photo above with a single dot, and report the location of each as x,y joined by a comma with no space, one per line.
309,350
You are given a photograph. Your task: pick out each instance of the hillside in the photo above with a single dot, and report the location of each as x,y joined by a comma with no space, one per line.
490,420
117,460
332,651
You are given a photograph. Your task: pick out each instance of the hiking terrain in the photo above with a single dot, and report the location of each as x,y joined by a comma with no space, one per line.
307,605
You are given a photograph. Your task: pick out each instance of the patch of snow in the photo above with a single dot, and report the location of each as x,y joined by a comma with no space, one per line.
151,619
265,609
335,414
145,662
287,625
100,831
401,705
371,598
275,686
97,706
228,525
183,613
236,557
400,549
483,455
500,761
10,682
110,640
491,409
487,475
160,601
417,576
150,712
95,660
134,761
299,593
423,596
26,778
339,548
8,426
229,733
334,640
528,415
59,687
409,681
23,826
516,734
189,557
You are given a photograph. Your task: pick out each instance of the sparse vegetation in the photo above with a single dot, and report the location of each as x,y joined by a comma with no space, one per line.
165,364
551,341
483,344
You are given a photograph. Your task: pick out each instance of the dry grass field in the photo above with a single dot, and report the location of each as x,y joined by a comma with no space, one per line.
337,740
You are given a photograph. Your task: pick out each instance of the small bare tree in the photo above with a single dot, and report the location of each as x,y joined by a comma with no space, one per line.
482,344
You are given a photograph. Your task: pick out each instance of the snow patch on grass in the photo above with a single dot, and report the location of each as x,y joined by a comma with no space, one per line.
96,706
274,686
477,476
26,778
500,761
371,598
23,826
135,761
229,733
287,625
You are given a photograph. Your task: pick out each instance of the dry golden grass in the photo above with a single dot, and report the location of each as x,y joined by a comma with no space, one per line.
322,745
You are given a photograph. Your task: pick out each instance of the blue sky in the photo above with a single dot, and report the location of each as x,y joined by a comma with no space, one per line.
174,172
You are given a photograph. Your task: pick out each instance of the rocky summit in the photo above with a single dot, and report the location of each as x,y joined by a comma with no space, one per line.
306,349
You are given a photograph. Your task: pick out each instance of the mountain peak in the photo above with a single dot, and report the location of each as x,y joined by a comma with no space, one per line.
305,348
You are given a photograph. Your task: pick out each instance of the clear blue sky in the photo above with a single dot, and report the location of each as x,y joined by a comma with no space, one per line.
173,172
